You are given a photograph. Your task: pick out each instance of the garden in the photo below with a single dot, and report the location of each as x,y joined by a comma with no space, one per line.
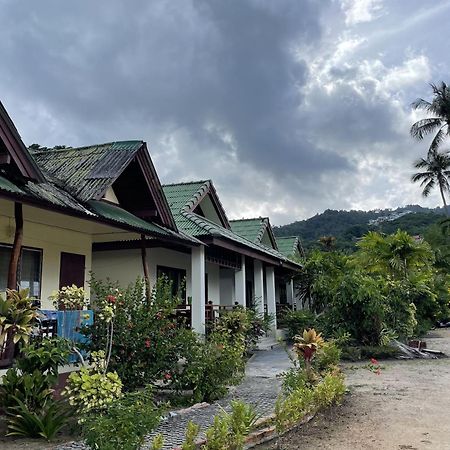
136,360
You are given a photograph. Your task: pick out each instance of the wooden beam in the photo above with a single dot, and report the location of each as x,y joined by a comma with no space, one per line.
5,158
17,247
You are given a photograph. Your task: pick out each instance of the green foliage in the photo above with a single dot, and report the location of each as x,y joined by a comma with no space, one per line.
211,366
17,316
297,321
229,430
330,390
259,324
26,392
93,389
157,442
147,341
124,424
192,431
69,298
328,355
43,423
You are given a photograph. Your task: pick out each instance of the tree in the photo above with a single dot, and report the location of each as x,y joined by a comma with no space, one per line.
398,255
439,123
436,172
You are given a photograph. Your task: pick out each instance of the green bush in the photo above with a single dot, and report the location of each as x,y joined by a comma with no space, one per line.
328,355
192,431
229,430
92,389
147,343
218,362
124,424
44,423
26,392
297,321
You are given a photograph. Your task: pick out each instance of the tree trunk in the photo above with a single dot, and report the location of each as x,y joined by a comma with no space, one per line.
145,266
17,247
443,199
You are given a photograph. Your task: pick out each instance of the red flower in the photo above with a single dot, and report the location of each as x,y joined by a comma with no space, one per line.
147,343
111,299
374,361
167,376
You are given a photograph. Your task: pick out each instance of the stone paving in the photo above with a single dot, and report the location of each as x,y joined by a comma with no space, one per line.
260,388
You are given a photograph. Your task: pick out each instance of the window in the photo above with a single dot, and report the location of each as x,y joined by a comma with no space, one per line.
176,276
29,271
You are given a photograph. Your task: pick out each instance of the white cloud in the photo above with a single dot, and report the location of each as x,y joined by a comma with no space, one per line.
359,11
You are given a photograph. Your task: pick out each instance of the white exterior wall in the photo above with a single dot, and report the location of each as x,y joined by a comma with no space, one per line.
213,271
227,286
51,239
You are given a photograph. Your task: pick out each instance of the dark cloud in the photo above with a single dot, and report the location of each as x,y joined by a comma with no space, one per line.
230,90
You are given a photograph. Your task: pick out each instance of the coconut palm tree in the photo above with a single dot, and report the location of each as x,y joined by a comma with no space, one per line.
435,174
439,123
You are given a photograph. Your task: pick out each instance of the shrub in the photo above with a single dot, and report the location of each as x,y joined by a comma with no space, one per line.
44,423
192,432
229,430
328,355
330,390
124,424
144,338
93,389
297,321
69,298
211,366
26,392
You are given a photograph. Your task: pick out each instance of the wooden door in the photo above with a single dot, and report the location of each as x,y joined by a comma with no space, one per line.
71,270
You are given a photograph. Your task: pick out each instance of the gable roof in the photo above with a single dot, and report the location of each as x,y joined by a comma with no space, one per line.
290,245
88,172
182,199
16,148
254,229
187,196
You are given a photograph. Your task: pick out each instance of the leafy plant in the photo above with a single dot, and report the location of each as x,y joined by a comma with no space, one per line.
297,321
44,423
229,430
192,431
124,424
157,442
93,389
17,316
69,298
306,346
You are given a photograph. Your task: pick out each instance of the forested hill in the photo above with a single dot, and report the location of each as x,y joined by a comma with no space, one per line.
348,226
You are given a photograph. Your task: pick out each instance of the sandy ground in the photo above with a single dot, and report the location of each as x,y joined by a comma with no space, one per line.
406,407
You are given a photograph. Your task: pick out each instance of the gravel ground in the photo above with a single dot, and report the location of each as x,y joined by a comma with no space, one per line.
406,407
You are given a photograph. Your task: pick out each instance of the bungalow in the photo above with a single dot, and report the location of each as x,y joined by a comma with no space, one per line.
259,230
50,220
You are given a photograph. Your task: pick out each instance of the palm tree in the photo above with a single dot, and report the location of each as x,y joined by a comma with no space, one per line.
436,173
439,123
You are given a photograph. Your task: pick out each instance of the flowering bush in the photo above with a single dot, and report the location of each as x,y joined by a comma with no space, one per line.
69,298
93,389
143,341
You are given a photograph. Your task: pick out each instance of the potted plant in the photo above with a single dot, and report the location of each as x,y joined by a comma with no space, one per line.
70,298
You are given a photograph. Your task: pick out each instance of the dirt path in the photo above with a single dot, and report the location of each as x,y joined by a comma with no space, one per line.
406,407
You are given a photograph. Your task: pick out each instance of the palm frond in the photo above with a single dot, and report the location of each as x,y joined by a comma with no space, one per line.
428,188
437,140
424,127
420,103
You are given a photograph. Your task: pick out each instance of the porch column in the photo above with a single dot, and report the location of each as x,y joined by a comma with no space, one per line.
290,292
271,301
239,284
198,289
259,286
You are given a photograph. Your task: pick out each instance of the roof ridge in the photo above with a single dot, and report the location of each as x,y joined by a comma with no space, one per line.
181,183
248,219
84,147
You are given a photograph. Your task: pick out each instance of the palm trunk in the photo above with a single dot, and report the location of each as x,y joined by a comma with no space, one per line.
17,247
443,199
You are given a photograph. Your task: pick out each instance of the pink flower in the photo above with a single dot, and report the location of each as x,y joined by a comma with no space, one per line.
167,376
147,343
374,361
111,299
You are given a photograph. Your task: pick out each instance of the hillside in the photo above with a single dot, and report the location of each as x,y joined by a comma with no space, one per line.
348,226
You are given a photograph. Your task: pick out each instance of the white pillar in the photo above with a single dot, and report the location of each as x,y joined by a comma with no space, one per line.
198,289
239,284
290,292
259,286
271,301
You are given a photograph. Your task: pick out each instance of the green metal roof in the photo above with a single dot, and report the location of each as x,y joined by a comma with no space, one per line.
288,245
251,229
182,196
87,172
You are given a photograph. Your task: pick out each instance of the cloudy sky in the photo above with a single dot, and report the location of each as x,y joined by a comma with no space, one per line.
290,106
